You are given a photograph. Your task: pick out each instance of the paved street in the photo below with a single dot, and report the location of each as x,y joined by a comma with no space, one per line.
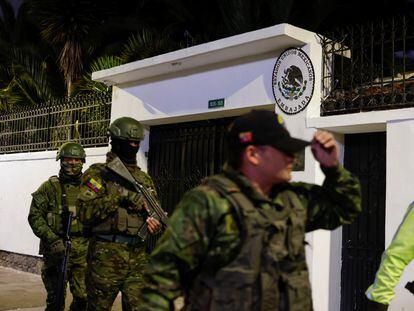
24,291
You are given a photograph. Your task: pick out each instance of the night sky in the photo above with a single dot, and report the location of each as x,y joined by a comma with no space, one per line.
321,15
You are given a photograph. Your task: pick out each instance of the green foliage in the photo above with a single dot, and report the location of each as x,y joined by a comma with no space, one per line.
64,25
146,43
86,84
27,70
50,47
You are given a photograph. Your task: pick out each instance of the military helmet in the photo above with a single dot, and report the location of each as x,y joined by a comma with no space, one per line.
127,129
71,150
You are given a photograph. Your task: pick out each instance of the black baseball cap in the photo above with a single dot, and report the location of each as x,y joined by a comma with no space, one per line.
263,127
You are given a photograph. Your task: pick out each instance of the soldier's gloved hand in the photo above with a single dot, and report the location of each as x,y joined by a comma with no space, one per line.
57,248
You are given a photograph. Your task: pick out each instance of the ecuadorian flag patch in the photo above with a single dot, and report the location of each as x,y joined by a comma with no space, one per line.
94,185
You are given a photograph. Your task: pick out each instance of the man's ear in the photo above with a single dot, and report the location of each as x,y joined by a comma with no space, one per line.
251,155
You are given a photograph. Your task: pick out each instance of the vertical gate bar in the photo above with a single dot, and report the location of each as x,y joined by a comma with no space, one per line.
404,34
342,47
202,144
361,64
382,62
353,52
173,142
179,150
12,131
184,151
332,86
210,150
392,61
200,148
371,64
15,133
48,125
209,157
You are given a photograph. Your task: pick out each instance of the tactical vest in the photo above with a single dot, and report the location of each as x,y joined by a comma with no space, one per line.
54,218
123,221
256,279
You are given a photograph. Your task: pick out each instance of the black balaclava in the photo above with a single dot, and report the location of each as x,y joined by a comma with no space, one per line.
126,152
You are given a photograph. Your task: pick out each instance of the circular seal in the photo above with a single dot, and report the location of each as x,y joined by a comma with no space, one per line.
293,80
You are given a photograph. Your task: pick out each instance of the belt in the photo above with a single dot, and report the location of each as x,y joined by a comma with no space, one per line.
124,239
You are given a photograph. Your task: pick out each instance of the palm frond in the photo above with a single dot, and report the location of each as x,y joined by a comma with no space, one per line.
86,84
147,43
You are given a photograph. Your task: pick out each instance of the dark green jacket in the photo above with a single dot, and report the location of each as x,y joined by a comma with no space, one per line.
204,232
46,209
100,207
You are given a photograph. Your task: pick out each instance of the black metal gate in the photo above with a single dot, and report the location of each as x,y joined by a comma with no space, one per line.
363,240
180,155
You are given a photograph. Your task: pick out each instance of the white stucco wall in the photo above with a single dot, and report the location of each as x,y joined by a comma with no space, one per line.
400,177
163,93
22,174
245,83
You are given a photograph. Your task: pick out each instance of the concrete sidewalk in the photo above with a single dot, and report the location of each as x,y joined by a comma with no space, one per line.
24,291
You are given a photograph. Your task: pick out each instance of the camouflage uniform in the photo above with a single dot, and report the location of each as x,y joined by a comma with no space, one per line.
45,220
117,255
239,250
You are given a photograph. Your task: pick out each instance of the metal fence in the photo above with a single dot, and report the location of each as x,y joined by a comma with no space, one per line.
369,67
82,118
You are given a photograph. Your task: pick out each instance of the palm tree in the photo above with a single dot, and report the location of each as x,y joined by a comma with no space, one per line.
86,85
69,39
144,44
65,25
81,31
28,74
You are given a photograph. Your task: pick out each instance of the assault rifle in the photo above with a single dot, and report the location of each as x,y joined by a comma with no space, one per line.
61,288
154,210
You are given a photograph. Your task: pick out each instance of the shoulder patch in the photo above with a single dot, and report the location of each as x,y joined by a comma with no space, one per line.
93,185
54,181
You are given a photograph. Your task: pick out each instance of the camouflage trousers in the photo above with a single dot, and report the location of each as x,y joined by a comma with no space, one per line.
76,274
113,268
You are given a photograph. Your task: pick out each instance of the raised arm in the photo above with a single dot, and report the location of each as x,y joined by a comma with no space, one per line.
95,202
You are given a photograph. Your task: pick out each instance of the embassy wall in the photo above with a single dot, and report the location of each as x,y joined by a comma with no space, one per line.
237,72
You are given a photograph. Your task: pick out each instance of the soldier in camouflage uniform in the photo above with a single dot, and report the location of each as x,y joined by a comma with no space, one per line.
236,242
114,212
45,218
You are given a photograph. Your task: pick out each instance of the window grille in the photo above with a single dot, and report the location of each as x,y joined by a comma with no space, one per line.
369,66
